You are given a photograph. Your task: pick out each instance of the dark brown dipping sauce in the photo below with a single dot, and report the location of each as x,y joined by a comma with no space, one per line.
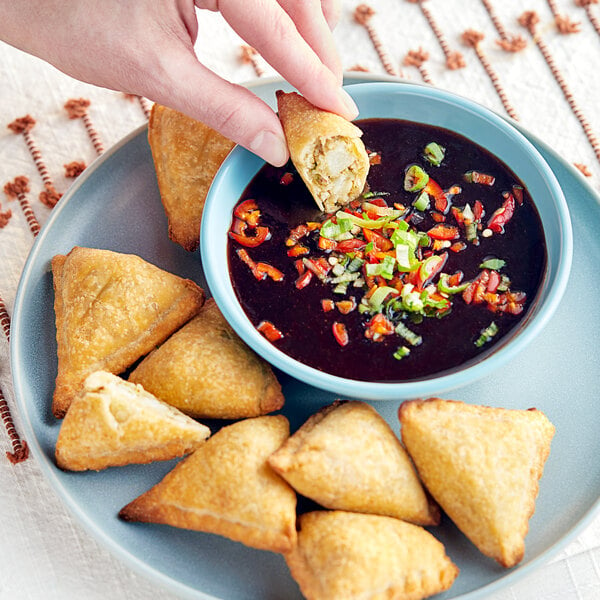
449,341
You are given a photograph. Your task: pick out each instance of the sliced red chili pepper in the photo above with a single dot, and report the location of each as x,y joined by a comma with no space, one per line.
327,244
300,267
430,268
248,211
251,241
378,202
455,279
438,217
296,234
327,305
443,231
478,211
478,177
351,245
458,215
374,158
269,331
286,178
503,214
274,273
245,257
380,242
316,267
458,247
493,282
297,250
517,191
340,333
441,202
378,327
346,306
304,280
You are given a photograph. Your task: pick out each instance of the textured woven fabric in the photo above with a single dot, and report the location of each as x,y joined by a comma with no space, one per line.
551,87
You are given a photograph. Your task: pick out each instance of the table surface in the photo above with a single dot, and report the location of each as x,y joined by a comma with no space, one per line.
550,87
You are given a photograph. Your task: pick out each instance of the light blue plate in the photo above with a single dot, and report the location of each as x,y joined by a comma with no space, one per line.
116,205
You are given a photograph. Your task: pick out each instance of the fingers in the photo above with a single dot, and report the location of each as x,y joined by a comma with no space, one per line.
234,111
278,40
312,24
332,10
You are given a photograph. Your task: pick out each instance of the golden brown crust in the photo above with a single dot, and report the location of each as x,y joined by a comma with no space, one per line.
326,150
111,309
350,556
206,370
187,155
226,487
482,465
347,457
113,423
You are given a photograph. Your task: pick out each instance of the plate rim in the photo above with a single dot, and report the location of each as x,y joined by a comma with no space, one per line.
52,476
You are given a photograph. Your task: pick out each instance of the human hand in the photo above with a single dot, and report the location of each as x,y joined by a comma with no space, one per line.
147,48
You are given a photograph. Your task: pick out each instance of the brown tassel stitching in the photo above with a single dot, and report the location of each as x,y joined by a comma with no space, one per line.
78,109
4,217
585,170
17,189
23,125
144,103
563,23
363,15
417,58
509,43
587,6
473,39
454,59
20,448
530,20
250,56
74,169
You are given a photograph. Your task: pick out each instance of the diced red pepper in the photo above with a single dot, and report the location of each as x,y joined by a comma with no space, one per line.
378,202
245,257
286,178
455,279
458,247
300,267
503,214
296,234
440,200
304,280
327,305
340,333
274,273
374,158
316,267
458,215
327,244
478,177
351,245
493,282
438,217
346,306
269,331
443,231
297,250
378,327
248,212
380,242
477,211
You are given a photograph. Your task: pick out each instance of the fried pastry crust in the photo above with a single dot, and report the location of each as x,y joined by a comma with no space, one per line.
206,370
326,150
111,309
112,422
347,457
226,487
351,556
187,155
482,465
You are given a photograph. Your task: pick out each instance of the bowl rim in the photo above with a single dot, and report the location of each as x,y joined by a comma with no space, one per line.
221,289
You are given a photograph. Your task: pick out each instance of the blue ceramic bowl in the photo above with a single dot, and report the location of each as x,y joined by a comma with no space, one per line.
424,105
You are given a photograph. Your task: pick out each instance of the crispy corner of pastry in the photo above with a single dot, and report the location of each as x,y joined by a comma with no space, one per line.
226,487
111,309
342,555
326,150
347,457
187,155
482,465
112,422
207,371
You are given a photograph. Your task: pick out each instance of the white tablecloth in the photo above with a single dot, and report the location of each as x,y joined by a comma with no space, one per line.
44,552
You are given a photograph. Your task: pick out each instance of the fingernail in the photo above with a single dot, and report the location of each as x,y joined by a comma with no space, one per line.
271,147
351,108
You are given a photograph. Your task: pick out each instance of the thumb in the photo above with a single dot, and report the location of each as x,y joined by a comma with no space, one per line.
230,109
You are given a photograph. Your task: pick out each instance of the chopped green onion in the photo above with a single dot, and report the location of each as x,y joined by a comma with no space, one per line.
374,194
385,268
410,336
340,288
434,153
422,201
338,269
487,334
401,353
471,232
345,278
415,179
365,223
379,295
355,264
445,288
492,263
